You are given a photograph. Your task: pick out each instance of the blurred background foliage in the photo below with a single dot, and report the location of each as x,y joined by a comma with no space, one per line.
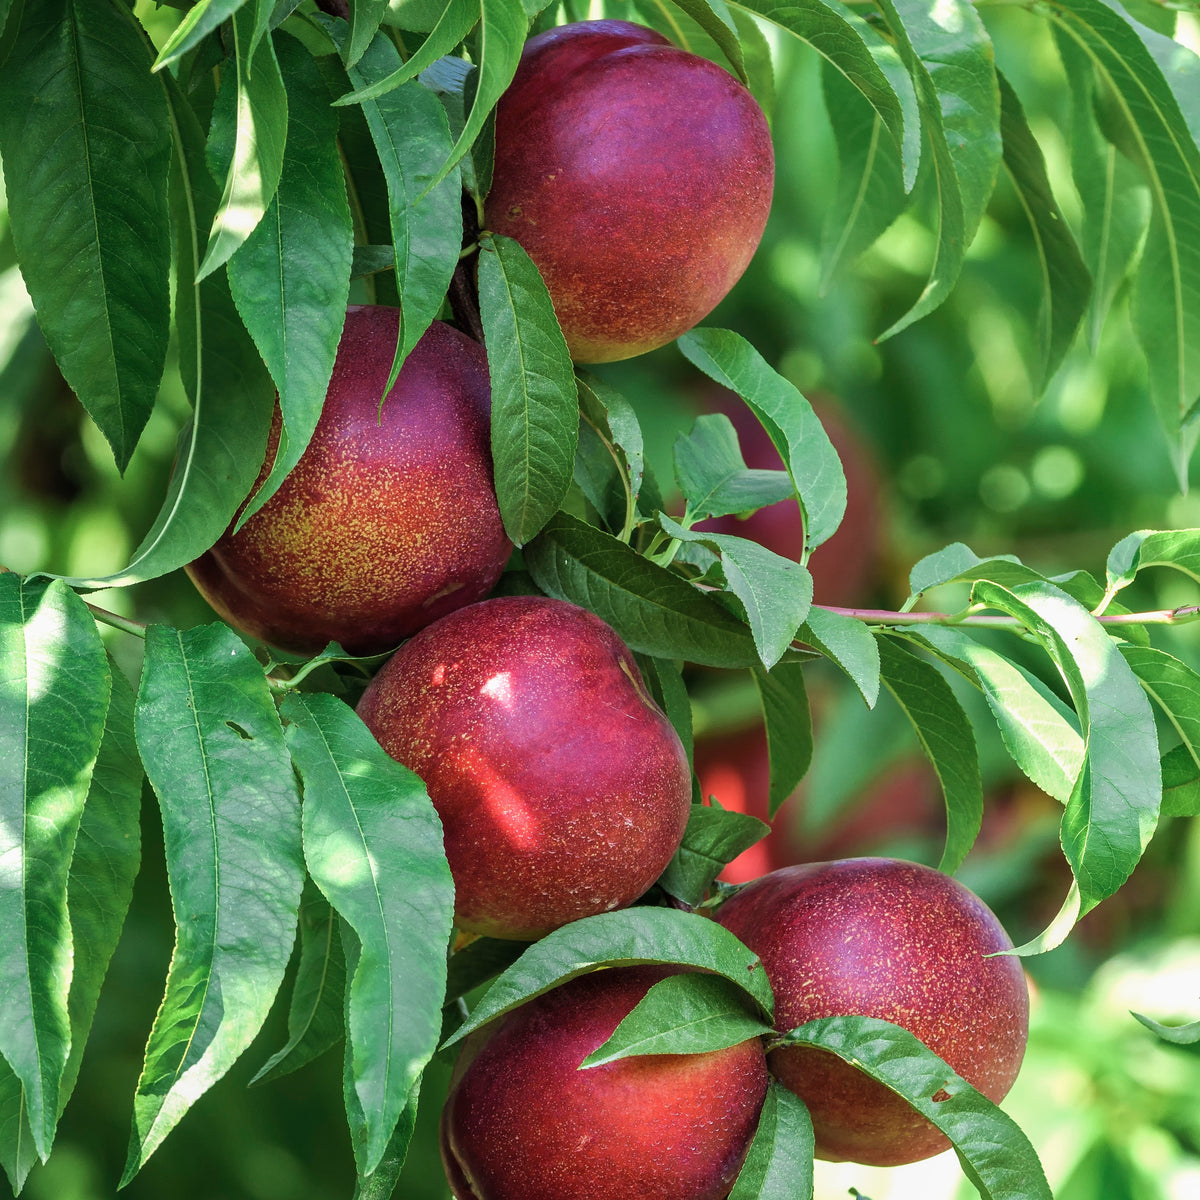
945,439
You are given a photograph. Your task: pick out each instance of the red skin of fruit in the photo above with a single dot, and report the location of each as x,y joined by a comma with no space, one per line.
562,787
883,938
523,1123
387,522
636,175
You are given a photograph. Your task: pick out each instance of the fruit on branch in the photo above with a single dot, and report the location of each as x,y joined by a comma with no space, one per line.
563,789
389,520
636,175
522,1122
883,938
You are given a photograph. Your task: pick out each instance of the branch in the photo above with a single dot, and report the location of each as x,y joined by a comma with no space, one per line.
878,616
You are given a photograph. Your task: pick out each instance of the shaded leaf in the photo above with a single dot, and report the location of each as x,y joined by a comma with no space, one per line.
713,476
1178,548
713,839
535,414
380,1184
1174,687
365,16
609,461
85,170
198,22
1181,783
213,748
788,722
957,563
779,1163
847,642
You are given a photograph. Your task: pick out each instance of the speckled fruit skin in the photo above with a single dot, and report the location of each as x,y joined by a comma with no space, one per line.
523,1123
883,938
562,787
387,522
636,175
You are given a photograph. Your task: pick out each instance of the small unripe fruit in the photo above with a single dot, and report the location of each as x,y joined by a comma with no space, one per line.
638,178
563,789
522,1122
883,938
389,520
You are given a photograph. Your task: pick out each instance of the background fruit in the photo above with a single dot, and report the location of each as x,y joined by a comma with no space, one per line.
637,176
389,520
563,789
891,939
523,1123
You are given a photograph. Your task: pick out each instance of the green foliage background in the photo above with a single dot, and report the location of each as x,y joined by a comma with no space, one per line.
967,448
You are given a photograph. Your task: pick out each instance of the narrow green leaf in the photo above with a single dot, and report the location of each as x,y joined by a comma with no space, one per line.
85,167
1178,1035
651,935
1166,300
1066,281
609,460
365,16
1115,201
807,453
712,840
950,56
775,592
687,1013
713,476
291,278
1174,687
535,412
871,192
788,722
1181,783
779,1163
54,692
957,563
868,61
1038,730
995,1155
654,610
197,24
103,867
412,139
666,681
213,748
222,447
457,20
847,642
315,1022
1178,548
257,136
714,17
1113,807
364,812
946,736
380,1184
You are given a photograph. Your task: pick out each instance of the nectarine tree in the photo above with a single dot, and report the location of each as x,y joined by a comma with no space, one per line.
321,274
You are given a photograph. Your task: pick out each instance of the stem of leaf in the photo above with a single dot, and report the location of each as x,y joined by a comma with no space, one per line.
115,621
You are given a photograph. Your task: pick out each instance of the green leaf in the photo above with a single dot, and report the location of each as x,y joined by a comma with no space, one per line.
457,20
807,453
54,692
1166,301
1066,281
535,414
103,866
454,81
380,1184
712,840
1174,687
868,61
365,16
713,476
774,591
477,962
258,135
687,1013
666,682
653,610
1113,807
200,20
1038,730
636,935
1178,548
1178,1035
948,740
609,460
950,56
957,563
213,748
315,1014
1181,783
871,192
1115,201
779,1163
85,167
714,17
412,138
373,844
847,642
995,1155
788,721
291,278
